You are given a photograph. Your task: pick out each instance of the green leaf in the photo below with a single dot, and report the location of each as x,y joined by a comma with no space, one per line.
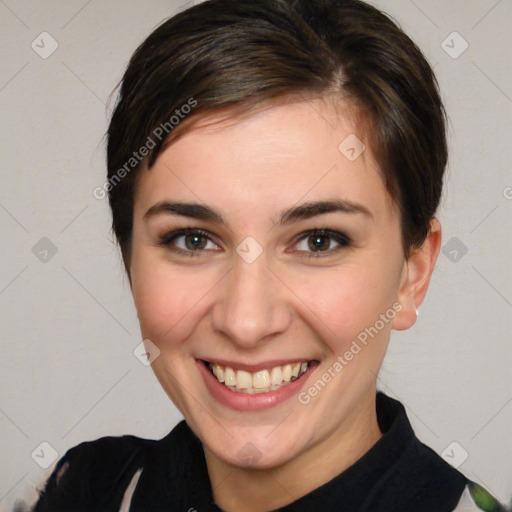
483,499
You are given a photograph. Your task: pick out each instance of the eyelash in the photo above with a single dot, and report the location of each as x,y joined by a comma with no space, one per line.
343,240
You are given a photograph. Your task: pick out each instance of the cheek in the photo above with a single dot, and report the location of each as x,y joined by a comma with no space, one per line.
167,298
346,301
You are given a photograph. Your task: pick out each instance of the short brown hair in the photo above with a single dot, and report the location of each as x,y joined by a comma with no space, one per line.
239,55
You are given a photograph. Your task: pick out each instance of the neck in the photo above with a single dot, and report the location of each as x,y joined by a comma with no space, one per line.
250,490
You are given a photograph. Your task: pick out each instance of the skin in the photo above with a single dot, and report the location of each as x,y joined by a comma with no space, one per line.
284,305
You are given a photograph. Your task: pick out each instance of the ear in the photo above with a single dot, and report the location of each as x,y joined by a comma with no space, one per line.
415,278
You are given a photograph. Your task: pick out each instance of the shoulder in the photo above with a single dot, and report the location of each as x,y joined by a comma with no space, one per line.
93,474
444,478
426,483
420,479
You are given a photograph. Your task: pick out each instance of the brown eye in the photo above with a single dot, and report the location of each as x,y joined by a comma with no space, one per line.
195,242
188,240
321,241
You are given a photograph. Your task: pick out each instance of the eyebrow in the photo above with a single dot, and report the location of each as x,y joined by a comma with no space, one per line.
314,208
295,213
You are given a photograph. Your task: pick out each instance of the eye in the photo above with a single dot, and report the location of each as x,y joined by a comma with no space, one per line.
317,241
188,240
193,242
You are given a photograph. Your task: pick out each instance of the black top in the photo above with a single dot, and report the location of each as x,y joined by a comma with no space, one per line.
398,474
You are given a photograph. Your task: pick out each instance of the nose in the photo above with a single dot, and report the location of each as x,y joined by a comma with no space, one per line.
251,307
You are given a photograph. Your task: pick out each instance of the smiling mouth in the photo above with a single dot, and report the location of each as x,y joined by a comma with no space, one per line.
262,381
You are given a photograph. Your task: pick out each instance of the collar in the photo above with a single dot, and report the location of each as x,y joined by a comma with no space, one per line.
399,473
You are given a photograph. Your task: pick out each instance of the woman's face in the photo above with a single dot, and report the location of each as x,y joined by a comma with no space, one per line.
256,289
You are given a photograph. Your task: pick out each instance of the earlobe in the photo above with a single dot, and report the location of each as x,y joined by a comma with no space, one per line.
415,279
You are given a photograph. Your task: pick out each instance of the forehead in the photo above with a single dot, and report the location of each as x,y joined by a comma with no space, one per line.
279,156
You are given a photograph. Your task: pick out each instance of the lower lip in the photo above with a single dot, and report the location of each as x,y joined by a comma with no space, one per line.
252,402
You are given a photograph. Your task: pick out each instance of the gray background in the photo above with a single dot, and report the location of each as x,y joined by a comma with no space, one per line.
68,326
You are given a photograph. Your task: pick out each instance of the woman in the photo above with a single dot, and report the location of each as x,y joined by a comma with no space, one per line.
274,170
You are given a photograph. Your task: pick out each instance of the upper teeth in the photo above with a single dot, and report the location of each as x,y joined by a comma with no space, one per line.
261,381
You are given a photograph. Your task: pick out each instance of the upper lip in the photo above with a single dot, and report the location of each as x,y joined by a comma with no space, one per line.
254,367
